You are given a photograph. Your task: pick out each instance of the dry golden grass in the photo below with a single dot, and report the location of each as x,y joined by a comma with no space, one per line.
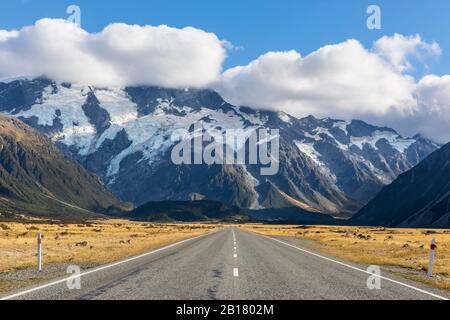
86,244
406,248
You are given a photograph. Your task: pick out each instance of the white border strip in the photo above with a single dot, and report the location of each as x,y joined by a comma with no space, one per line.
114,264
358,269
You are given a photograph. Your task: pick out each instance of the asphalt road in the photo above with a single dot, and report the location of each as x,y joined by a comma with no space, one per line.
231,264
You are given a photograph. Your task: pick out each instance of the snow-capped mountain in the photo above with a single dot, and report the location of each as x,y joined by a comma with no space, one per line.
124,136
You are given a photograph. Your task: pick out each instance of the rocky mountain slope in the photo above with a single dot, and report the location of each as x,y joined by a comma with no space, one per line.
418,198
37,179
124,136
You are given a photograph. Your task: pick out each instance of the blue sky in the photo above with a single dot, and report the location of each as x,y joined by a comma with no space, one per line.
257,26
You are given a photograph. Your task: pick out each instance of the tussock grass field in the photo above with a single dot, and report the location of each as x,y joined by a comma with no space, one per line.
88,244
391,248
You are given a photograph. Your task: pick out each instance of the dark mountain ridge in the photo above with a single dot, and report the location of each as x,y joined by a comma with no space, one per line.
187,211
37,179
419,197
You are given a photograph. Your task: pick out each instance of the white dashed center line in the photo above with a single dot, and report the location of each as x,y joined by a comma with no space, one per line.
235,270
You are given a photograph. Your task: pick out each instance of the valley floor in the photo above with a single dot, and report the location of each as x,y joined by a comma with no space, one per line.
86,245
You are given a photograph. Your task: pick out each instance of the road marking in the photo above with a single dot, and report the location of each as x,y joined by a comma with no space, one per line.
236,272
358,269
235,248
235,255
78,276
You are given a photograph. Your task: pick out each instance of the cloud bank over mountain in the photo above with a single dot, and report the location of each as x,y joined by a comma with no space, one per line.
119,55
343,80
347,80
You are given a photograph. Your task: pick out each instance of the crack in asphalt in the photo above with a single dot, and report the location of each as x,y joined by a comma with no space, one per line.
217,276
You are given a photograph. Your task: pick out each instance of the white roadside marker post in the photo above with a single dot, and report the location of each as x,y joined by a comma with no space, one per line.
39,251
432,253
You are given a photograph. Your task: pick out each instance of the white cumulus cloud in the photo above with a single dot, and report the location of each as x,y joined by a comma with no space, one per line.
397,50
339,80
432,117
431,114
119,55
348,81
5,35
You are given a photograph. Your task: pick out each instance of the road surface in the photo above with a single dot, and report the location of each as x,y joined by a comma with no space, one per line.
231,264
